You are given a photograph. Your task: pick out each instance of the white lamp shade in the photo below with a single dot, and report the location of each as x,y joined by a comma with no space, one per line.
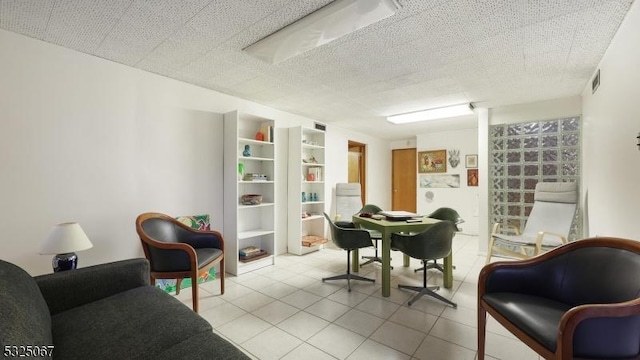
65,238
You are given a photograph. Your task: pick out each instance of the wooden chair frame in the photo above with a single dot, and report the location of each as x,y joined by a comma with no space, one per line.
536,248
194,271
572,318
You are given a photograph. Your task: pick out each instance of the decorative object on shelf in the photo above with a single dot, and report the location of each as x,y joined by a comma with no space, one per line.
433,161
267,130
63,240
471,161
440,181
314,197
454,158
304,196
251,199
259,136
305,215
240,171
247,150
255,177
472,177
316,171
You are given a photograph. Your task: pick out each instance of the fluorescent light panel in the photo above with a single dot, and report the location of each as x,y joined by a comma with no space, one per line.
432,114
337,19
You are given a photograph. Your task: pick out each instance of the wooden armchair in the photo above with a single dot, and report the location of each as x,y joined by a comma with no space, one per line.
580,300
177,251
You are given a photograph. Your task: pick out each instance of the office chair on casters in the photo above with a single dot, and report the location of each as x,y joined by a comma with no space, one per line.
348,239
349,203
376,236
443,213
579,300
430,244
548,225
176,251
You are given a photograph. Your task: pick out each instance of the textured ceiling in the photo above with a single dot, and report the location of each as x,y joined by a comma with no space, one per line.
430,53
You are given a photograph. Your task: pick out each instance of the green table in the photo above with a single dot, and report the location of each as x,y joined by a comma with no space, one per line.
387,227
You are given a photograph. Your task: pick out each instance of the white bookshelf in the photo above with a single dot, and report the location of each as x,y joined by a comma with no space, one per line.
248,225
306,155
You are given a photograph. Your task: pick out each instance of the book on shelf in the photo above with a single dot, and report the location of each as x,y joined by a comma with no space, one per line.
267,130
249,250
254,256
315,173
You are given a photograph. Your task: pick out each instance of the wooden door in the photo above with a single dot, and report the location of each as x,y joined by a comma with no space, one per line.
403,181
357,163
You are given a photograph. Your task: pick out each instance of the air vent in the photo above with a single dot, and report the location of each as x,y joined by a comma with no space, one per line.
319,126
595,82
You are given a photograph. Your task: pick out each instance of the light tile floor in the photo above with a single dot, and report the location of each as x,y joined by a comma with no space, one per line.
286,312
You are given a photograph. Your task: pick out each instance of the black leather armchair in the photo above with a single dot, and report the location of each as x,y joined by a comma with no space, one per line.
176,251
581,300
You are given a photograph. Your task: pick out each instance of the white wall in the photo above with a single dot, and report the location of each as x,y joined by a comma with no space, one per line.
463,199
536,111
611,124
84,139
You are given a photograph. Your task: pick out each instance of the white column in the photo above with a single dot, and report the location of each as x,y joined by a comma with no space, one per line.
483,180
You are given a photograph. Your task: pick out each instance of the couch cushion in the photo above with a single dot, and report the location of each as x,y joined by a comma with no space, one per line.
536,316
140,323
24,315
205,346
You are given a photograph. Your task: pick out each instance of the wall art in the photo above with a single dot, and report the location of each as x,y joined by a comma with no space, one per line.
472,177
471,161
454,158
433,161
440,181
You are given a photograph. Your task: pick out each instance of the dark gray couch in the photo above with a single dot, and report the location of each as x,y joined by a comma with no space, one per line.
106,311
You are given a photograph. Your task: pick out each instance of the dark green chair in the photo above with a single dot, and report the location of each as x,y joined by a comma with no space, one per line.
349,239
430,244
375,235
443,213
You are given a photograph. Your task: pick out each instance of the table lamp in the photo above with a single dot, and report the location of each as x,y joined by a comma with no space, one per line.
62,241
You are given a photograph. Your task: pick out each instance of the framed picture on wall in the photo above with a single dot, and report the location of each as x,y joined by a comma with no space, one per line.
471,161
433,161
472,177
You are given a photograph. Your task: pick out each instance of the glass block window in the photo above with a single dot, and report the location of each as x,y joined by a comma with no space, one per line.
521,155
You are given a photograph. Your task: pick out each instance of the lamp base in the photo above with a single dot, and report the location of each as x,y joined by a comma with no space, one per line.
62,262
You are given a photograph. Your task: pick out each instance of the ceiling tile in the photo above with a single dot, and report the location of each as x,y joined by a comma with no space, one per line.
430,53
28,17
